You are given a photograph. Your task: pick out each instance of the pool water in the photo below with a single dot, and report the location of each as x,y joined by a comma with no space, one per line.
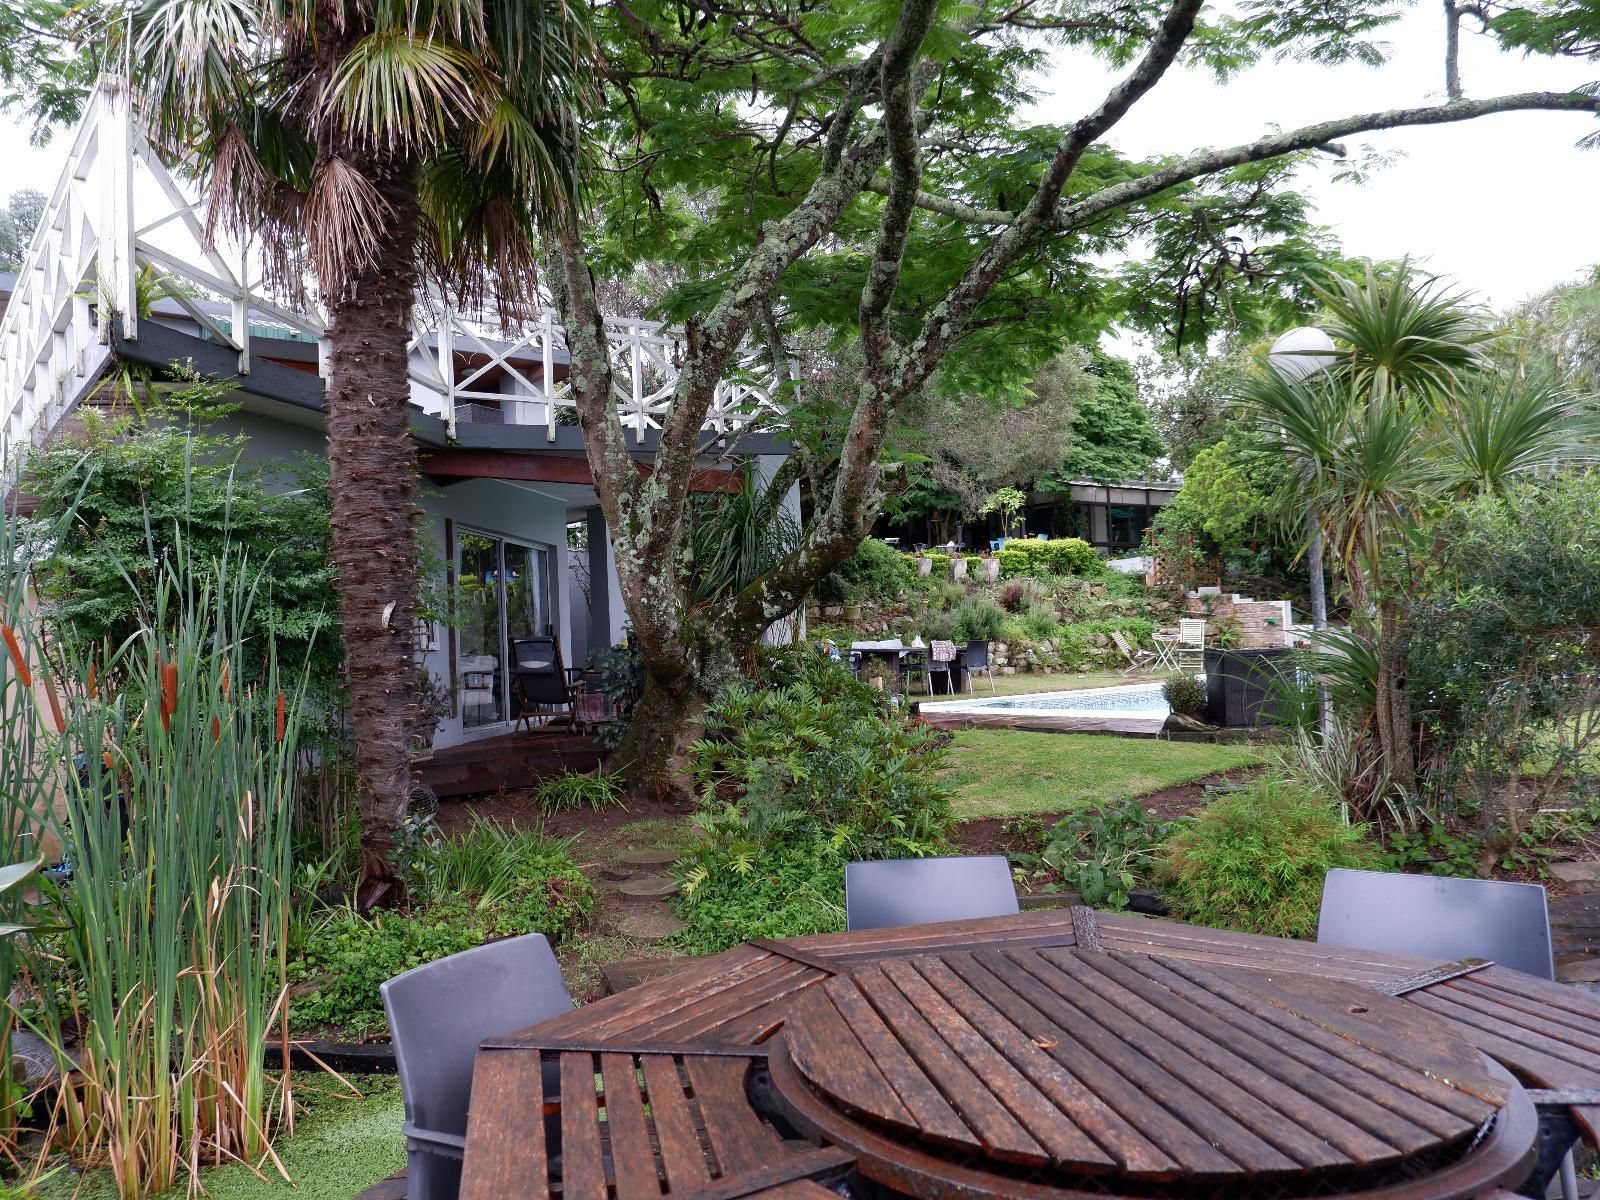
1132,700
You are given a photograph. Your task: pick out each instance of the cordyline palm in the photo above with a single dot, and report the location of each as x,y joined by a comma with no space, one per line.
369,144
1407,414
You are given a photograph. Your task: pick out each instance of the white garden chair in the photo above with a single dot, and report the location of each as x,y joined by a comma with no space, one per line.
1191,645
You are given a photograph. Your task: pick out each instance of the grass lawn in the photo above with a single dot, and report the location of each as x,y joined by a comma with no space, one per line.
1009,773
341,1146
1042,681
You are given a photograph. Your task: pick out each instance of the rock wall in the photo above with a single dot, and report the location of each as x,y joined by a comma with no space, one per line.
1262,624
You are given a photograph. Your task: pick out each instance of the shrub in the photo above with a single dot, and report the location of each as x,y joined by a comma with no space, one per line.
1058,556
1255,859
1102,853
978,619
798,772
876,571
1014,596
940,626
792,889
574,789
1185,695
492,882
1039,623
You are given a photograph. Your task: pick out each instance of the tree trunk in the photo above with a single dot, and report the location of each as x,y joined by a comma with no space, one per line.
372,462
655,752
1394,702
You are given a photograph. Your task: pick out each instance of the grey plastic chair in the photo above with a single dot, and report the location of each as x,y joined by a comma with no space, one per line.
920,891
438,1014
1443,918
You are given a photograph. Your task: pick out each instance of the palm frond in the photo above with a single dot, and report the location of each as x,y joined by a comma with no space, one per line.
395,89
1402,335
343,214
1504,425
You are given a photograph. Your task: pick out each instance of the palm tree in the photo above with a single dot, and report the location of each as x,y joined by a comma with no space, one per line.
364,146
1409,414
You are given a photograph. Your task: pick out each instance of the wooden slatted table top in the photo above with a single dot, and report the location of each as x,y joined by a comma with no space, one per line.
1144,1067
1270,993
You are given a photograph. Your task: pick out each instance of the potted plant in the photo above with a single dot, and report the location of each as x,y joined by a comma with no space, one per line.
958,566
852,610
924,565
990,566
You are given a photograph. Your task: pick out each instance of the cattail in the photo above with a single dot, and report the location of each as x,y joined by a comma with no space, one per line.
55,703
216,730
16,656
105,757
169,688
225,694
280,716
93,695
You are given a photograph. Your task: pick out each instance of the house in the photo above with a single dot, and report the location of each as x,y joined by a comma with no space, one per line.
511,503
1111,517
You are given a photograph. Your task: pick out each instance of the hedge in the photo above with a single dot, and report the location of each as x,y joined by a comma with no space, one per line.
1058,556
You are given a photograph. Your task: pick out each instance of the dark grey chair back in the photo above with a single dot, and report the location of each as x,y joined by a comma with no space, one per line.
1440,918
976,656
920,891
536,664
438,1014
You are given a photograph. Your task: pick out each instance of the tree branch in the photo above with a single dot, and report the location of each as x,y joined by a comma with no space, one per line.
1208,162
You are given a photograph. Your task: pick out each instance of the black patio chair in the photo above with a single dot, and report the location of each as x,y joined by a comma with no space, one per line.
914,663
438,1014
544,686
975,657
920,891
1451,919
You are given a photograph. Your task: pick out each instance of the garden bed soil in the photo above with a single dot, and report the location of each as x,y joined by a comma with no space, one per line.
517,810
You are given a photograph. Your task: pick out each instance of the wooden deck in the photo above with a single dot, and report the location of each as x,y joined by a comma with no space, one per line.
507,762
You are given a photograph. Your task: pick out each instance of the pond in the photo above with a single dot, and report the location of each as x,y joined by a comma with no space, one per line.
1132,700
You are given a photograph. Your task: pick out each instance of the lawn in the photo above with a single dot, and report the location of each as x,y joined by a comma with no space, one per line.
1043,681
1008,773
343,1143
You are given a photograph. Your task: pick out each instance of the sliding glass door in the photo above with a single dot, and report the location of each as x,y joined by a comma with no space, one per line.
505,591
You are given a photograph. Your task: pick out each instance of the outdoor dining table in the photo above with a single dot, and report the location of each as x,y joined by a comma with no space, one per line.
1051,1055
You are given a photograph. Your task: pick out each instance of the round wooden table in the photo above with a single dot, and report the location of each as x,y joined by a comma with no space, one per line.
1049,1056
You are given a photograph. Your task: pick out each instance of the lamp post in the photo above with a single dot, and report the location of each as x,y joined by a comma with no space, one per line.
1296,355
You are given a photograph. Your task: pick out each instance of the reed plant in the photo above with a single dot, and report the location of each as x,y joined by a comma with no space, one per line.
178,792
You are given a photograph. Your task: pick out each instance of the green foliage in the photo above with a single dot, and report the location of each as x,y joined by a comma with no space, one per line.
1255,859
574,789
135,484
491,882
797,773
978,619
1054,556
1185,695
18,218
791,888
735,539
1037,623
621,672
1436,850
876,571
1102,853
1113,436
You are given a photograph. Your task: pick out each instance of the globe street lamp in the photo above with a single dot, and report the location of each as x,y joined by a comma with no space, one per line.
1298,355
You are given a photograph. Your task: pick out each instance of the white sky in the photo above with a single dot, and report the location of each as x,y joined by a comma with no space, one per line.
1504,205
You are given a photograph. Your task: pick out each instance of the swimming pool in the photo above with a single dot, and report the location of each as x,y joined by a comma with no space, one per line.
1131,700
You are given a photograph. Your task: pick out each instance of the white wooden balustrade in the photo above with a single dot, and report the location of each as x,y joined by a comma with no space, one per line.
121,231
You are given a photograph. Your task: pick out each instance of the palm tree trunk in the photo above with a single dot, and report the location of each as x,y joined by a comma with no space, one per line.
372,462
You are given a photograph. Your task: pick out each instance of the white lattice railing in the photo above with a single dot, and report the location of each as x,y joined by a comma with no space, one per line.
118,221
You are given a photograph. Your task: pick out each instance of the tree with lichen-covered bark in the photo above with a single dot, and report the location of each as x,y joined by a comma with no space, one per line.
867,171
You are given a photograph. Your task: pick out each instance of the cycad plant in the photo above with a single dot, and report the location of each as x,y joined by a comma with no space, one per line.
177,789
364,147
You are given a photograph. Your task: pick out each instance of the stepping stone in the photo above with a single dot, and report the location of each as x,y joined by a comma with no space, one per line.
1579,876
612,872
650,926
649,858
649,886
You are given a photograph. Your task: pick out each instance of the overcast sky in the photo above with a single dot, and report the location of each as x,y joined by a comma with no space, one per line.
1504,205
